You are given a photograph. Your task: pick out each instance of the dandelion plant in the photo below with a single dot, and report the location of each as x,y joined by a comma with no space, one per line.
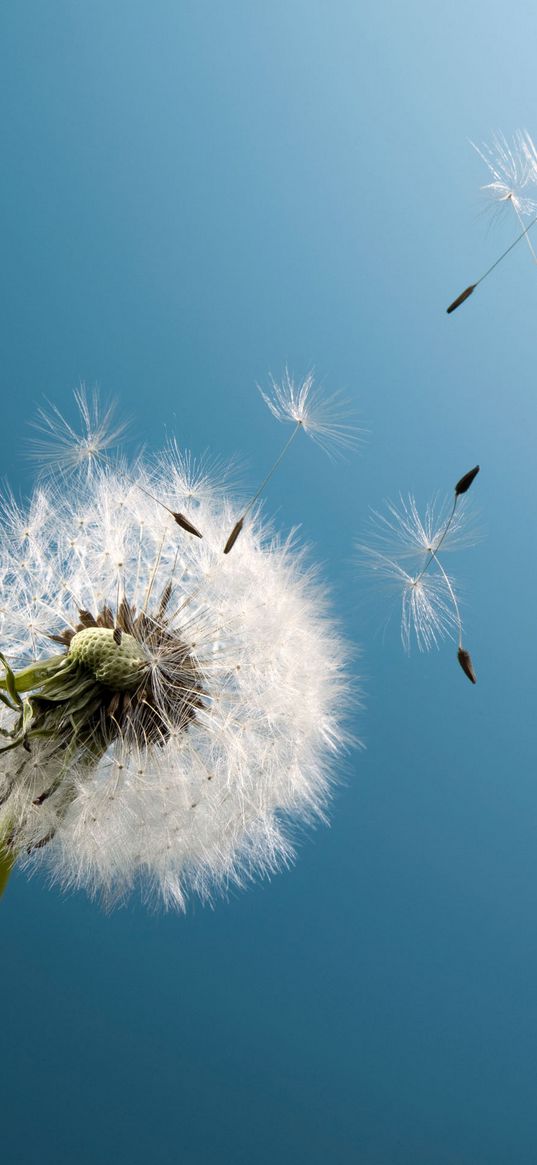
166,713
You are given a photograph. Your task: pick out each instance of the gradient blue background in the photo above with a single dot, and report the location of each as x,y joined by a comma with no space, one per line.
191,196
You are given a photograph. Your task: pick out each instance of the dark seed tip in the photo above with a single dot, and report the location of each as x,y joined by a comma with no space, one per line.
465,661
117,635
233,536
461,298
186,525
465,482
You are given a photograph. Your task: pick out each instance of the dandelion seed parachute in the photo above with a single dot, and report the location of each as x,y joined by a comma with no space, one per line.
166,712
513,168
61,447
324,418
403,532
514,183
464,295
427,614
429,605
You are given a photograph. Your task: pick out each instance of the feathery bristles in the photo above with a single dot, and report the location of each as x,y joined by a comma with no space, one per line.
429,605
325,419
405,532
64,449
194,707
427,615
514,172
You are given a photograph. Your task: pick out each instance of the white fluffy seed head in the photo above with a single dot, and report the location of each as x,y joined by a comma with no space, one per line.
174,802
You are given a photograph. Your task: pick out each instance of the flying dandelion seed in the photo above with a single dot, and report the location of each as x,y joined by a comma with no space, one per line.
165,714
430,609
514,175
514,183
64,450
304,405
325,418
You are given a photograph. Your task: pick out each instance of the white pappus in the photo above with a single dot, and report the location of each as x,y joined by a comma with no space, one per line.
167,712
404,551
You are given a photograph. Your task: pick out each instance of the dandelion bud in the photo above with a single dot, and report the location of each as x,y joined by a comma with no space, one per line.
465,661
461,298
465,482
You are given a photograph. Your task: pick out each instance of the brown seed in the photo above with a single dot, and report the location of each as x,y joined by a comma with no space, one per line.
164,600
86,618
233,536
461,298
105,618
466,481
42,841
114,705
124,617
64,638
117,635
465,661
186,525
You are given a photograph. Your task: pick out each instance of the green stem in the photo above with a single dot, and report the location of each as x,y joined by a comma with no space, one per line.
7,861
7,857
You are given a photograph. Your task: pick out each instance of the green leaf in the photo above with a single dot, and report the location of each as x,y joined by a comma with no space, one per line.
9,681
29,677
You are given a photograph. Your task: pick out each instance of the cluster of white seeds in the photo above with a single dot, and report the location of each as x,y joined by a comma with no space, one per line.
209,799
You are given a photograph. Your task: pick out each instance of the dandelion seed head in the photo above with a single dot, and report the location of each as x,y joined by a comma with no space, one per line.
175,755
326,418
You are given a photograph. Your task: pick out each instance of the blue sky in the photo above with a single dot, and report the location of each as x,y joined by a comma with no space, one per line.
194,196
